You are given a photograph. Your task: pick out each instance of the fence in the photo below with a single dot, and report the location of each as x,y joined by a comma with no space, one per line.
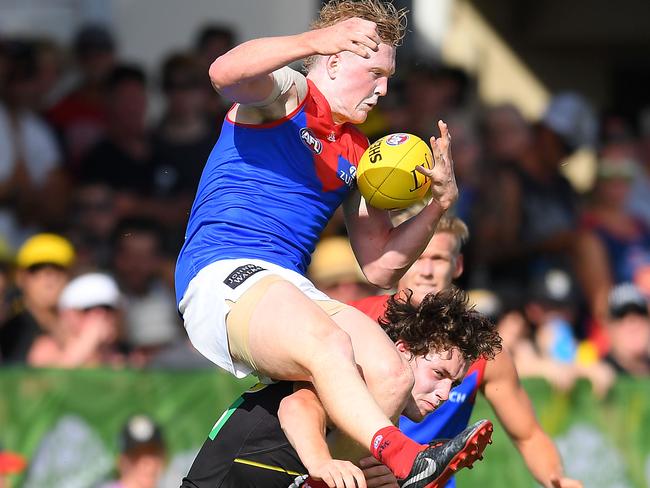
66,424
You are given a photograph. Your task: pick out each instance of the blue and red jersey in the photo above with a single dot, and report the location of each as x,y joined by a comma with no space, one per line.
453,416
268,190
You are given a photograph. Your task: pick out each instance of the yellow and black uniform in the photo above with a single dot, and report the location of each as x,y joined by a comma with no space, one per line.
247,447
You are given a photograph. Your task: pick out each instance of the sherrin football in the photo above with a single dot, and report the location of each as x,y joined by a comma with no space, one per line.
386,174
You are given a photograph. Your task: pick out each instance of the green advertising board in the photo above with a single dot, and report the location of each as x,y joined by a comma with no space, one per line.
66,424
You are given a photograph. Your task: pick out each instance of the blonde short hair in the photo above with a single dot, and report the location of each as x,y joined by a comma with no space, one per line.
454,226
391,23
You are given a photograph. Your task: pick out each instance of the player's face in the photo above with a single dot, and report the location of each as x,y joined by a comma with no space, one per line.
435,269
360,82
435,375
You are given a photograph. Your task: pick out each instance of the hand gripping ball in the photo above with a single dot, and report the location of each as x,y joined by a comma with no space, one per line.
386,174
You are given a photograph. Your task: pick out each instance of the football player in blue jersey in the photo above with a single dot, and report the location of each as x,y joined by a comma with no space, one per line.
280,168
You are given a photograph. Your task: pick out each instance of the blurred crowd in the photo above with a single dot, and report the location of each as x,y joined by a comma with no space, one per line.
94,197
95,191
142,456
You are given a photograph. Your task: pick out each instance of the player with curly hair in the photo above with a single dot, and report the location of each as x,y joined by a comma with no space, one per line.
249,448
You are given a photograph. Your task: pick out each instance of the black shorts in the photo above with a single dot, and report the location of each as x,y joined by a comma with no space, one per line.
247,447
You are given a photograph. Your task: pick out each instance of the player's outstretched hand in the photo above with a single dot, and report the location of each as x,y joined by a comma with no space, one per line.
339,474
443,180
356,35
377,475
565,483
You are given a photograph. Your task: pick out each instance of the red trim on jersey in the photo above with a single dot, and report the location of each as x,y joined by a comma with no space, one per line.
267,125
477,366
374,307
337,140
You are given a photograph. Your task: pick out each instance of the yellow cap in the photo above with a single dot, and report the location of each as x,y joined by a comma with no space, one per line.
45,249
333,261
587,353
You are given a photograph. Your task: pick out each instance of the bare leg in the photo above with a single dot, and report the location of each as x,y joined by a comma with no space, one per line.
359,330
291,338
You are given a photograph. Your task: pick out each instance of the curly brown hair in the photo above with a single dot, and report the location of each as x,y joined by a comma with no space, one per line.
391,23
443,320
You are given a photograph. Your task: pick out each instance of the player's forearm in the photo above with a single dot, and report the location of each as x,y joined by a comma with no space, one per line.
256,59
542,458
401,246
303,421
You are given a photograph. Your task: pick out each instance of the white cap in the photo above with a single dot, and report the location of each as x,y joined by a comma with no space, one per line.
572,118
485,302
90,290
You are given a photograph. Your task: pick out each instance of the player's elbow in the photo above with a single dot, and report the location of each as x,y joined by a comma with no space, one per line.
383,285
298,405
220,75
381,278
287,409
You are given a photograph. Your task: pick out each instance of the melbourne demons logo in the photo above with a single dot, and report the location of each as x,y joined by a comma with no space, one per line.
309,139
397,139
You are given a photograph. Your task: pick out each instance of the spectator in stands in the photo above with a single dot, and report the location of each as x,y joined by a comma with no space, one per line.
212,41
123,158
4,63
629,331
506,137
551,310
184,138
619,247
50,69
7,287
552,348
11,464
93,218
80,116
43,264
530,212
151,320
143,454
29,154
89,326
467,164
507,134
335,271
638,202
433,92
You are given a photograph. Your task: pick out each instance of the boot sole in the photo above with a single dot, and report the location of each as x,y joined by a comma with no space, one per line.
471,452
